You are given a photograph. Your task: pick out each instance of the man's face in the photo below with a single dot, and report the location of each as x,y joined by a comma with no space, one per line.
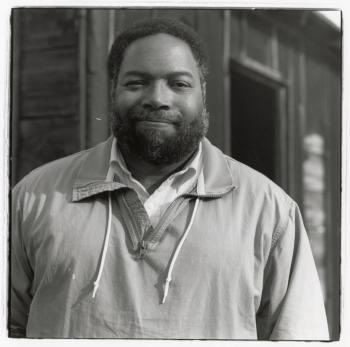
158,108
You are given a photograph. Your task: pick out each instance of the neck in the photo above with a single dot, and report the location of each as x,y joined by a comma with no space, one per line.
151,176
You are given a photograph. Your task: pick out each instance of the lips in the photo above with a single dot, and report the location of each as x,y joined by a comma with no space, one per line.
151,120
155,123
159,116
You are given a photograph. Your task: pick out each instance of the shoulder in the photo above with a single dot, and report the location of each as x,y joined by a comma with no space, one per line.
254,182
248,183
48,176
274,211
264,200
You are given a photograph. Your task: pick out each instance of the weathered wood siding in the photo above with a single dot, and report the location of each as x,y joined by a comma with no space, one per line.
45,95
60,98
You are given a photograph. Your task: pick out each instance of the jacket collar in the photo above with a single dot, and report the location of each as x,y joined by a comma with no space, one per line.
91,177
219,179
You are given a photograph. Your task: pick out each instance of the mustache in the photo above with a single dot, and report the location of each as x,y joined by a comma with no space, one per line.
155,116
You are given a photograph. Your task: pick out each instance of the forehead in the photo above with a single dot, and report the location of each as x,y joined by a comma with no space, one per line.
157,54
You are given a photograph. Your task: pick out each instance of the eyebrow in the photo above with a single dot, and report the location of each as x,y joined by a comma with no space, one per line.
148,75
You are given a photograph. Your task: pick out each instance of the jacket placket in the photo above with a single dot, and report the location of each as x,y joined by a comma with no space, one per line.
143,236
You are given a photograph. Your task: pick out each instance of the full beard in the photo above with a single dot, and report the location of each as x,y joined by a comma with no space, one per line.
153,145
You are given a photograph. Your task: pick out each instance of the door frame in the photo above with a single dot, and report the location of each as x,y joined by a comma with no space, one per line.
272,79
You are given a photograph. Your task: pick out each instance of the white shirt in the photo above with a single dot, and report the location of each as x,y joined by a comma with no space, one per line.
156,203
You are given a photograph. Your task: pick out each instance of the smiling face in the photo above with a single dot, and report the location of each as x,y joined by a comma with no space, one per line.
158,108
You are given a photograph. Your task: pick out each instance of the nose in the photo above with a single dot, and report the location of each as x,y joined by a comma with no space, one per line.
157,96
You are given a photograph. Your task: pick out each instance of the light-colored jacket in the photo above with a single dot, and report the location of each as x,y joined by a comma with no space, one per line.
244,271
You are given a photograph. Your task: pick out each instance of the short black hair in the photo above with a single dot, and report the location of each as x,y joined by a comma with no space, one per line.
151,27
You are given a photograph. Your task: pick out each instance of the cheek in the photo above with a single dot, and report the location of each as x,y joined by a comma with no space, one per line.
123,101
192,107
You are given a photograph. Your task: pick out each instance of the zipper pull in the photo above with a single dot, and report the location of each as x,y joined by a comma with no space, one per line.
142,250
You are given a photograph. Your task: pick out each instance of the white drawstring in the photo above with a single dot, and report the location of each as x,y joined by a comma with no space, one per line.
177,251
105,245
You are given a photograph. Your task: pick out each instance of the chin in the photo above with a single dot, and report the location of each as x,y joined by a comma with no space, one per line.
154,137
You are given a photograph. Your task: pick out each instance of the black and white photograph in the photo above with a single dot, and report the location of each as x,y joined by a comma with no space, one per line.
175,173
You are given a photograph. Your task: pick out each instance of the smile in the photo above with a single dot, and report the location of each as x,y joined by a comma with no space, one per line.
155,123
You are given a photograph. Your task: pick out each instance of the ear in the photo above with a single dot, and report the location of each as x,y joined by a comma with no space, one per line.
204,91
112,88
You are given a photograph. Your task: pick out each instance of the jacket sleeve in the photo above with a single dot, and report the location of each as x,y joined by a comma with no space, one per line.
292,306
20,270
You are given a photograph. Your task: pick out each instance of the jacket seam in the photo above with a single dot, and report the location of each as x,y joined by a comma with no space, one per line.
279,230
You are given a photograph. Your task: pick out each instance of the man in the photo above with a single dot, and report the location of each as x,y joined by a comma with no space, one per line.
155,233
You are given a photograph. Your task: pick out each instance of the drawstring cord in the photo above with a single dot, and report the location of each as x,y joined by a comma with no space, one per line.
173,260
177,251
105,245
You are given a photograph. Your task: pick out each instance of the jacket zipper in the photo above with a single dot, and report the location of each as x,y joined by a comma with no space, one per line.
134,238
168,215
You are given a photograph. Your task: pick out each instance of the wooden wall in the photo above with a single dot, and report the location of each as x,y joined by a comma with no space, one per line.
60,98
45,87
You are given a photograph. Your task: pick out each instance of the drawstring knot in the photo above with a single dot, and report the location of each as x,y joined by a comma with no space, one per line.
96,285
166,289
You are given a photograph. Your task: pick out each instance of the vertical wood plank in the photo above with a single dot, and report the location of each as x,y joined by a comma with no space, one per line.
274,50
243,40
210,29
15,102
226,56
235,36
300,125
292,82
111,27
282,171
119,16
82,78
333,200
97,77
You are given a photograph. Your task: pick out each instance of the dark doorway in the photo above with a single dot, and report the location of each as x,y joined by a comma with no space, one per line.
255,123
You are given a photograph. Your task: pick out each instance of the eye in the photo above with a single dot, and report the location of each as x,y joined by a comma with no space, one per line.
180,84
135,84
